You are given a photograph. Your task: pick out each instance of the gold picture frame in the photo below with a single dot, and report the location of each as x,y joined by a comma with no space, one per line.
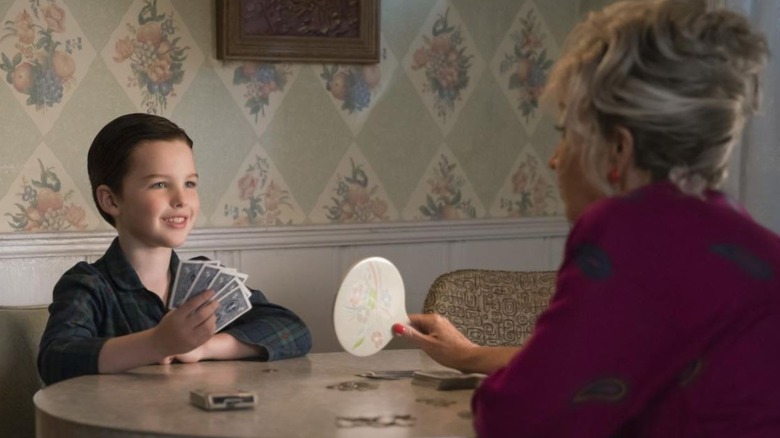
321,31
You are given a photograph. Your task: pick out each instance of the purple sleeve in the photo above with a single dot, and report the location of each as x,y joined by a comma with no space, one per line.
618,331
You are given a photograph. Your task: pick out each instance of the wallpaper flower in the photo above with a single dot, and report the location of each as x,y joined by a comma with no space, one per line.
445,200
155,55
356,90
446,65
44,206
354,200
528,63
263,198
532,194
260,80
41,66
353,85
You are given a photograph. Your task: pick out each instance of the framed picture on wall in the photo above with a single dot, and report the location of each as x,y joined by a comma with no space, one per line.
322,31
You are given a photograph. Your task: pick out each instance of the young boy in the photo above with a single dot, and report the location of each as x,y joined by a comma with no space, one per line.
110,316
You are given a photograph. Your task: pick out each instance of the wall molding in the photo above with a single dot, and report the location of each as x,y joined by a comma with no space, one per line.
50,244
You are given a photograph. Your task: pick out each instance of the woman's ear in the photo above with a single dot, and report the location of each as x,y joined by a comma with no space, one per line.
624,175
106,200
622,152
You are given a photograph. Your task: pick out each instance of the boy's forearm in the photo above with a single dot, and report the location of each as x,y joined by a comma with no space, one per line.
125,352
224,346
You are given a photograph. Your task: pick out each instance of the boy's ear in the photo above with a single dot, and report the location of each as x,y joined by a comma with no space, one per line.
107,200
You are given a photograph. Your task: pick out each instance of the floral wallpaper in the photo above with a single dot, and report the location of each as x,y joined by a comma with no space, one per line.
44,199
530,191
445,193
523,62
259,87
448,125
354,195
258,196
152,55
44,55
356,89
444,65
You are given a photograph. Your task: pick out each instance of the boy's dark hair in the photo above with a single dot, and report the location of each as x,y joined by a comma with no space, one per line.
108,159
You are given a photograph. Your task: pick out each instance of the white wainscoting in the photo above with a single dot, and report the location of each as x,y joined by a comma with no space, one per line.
301,267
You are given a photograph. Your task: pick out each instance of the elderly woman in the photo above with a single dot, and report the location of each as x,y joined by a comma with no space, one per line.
666,317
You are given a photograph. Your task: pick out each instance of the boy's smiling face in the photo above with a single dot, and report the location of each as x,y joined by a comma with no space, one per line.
159,200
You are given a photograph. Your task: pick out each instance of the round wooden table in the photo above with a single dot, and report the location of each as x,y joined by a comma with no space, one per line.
314,396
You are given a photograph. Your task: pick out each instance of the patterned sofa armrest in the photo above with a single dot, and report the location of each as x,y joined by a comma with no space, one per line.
497,308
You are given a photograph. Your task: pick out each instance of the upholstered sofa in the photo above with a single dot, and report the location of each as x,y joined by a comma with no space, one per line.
20,333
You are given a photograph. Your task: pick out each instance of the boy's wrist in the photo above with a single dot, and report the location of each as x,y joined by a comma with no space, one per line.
158,344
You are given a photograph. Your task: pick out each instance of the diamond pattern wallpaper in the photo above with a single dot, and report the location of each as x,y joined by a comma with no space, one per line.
448,125
354,89
258,196
445,193
522,63
152,54
45,57
258,88
443,64
44,198
353,194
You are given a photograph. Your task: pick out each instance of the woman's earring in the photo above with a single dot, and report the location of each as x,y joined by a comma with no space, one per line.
613,176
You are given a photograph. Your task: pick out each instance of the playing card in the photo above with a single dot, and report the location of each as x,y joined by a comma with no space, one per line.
193,277
232,284
245,290
447,379
231,305
185,277
387,375
205,277
222,278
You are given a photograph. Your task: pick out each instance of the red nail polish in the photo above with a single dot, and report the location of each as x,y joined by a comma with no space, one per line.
399,329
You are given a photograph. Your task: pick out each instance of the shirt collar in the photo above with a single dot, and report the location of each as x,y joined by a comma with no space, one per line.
122,272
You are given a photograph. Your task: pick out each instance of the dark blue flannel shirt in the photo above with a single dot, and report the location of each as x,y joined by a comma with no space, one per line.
95,302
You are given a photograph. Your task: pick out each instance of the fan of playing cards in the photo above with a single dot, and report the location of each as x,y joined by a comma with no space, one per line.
194,277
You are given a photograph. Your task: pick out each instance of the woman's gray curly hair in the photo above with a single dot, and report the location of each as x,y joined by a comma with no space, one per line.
679,76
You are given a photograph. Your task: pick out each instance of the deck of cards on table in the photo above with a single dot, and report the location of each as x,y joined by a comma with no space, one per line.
193,277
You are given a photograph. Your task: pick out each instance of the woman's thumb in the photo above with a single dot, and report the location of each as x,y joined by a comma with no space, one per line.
403,330
409,332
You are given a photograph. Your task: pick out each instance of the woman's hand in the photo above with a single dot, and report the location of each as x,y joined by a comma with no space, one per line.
436,335
445,344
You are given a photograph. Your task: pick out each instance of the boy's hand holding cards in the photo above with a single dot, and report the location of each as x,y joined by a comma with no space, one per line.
193,277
